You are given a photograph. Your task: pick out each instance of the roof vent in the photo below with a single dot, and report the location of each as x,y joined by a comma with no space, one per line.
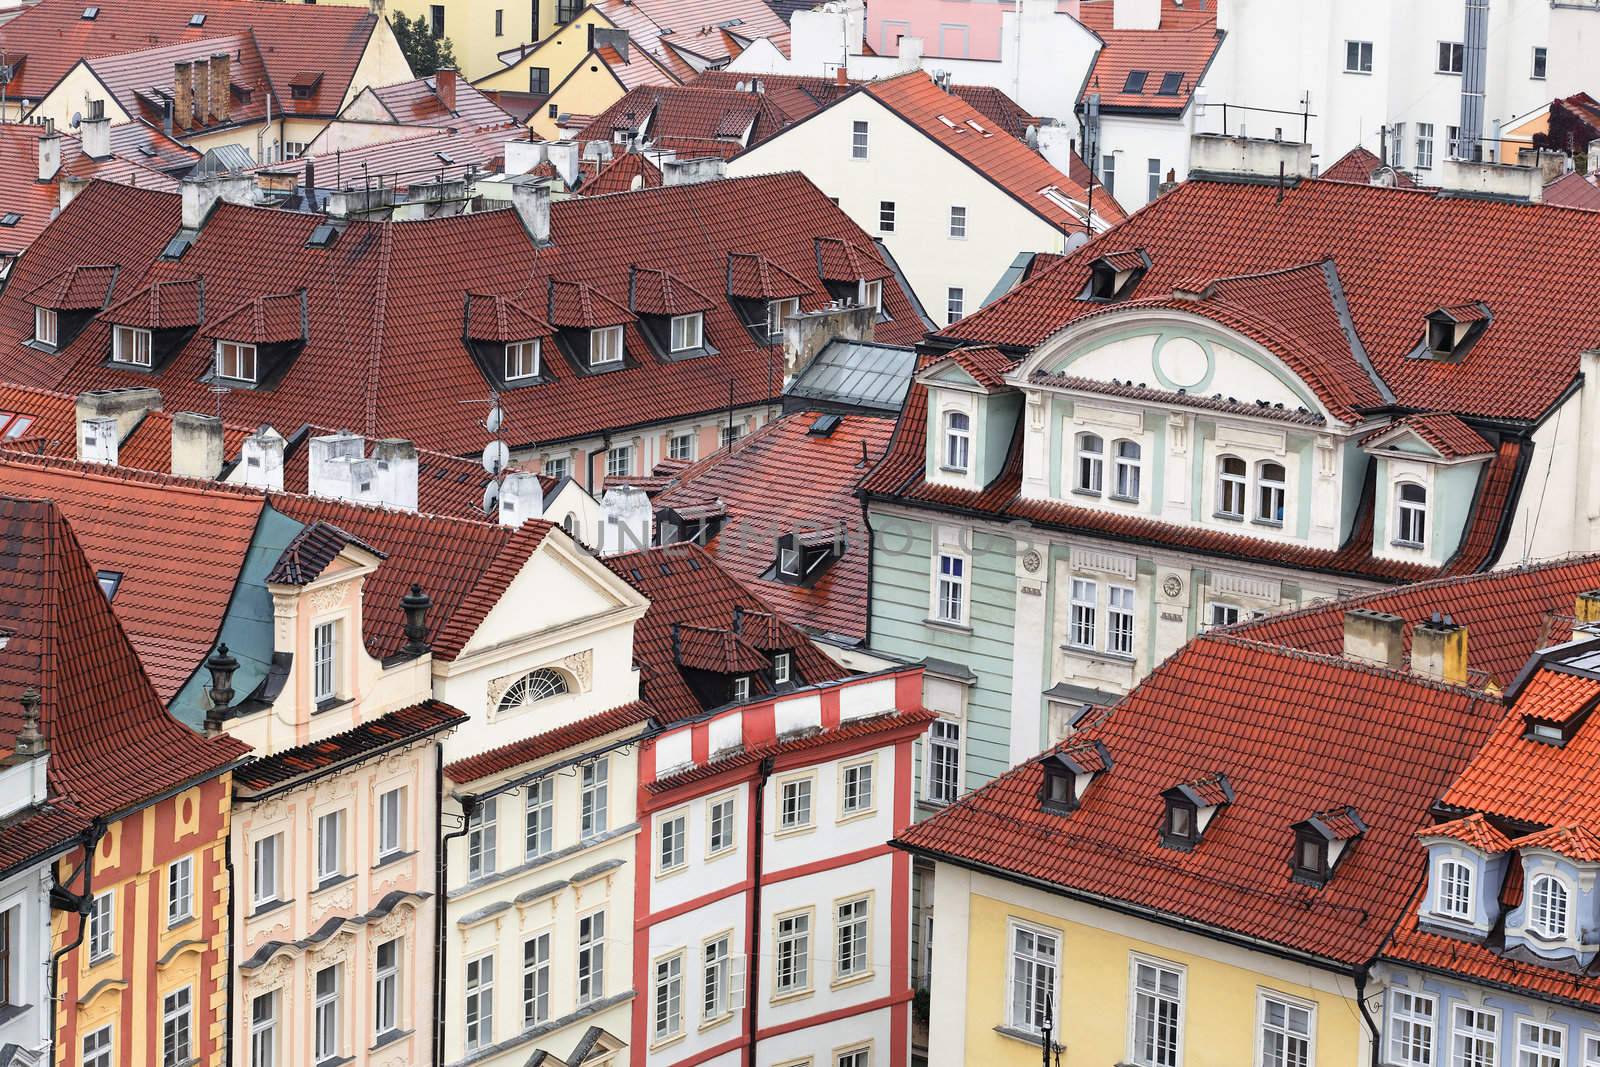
322,236
10,218
824,426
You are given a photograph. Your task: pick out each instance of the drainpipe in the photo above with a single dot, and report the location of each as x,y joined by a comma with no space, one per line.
233,899
91,843
1361,1006
753,957
441,866
588,470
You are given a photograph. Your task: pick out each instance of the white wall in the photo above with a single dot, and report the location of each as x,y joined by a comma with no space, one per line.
25,895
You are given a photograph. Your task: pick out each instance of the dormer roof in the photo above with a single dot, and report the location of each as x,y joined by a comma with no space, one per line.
755,277
579,306
272,319
76,289
1207,791
1128,259
1474,831
660,292
1082,757
313,548
1574,842
986,365
1444,433
707,648
839,260
1335,824
161,305
499,319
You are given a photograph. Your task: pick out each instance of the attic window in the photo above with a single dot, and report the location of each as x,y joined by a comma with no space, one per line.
178,245
197,19
948,122
824,426
10,218
1557,732
1451,331
322,236
1135,82
1170,83
975,124
109,581
91,13
1178,828
446,157
1068,773
1113,276
1190,807
1320,842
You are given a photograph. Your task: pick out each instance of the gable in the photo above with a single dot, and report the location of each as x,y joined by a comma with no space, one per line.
558,586
366,107
950,373
559,53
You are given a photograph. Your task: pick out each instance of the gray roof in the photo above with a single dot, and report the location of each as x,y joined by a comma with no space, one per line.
223,159
858,375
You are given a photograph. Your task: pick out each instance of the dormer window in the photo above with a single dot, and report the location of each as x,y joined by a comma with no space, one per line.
1321,841
1455,890
1411,514
1068,772
777,312
741,687
325,662
1311,859
688,332
1548,907
236,360
605,346
789,561
45,326
131,346
1190,808
1178,831
957,441
1091,463
805,557
872,295
522,360
782,668
1451,331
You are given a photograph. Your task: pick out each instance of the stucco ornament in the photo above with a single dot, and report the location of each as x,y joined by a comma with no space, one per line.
274,975
327,598
578,667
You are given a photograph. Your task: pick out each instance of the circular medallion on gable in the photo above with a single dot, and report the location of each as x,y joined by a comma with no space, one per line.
1182,363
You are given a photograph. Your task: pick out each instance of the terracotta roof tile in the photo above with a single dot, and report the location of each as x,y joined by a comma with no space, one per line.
1573,190
548,743
621,174
311,550
418,103
1358,165
1474,831
1448,435
1574,842
396,728
1184,45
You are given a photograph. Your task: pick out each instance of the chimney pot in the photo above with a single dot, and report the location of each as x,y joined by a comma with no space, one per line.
1374,637
415,604
841,76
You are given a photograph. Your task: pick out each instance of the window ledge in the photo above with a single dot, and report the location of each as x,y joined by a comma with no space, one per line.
180,922
330,704
1099,656
1027,1037
1123,499
852,980
796,831
1410,546
1095,493
947,469
389,1038
716,1021
332,883
1225,517
953,627
268,906
392,858
336,1061
792,995
1276,524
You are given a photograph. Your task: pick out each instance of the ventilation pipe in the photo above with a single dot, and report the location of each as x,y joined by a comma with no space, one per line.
1475,61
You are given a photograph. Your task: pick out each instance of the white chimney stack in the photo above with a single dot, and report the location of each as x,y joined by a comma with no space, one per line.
199,195
97,440
531,199
396,460
523,156
197,450
261,460
329,465
49,152
94,131
627,520
693,171
563,155
338,469
521,498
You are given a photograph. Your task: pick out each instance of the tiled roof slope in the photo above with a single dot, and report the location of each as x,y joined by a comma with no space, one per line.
53,35
1529,263
310,551
402,727
1446,434
1185,44
1358,165
714,31
548,743
619,175
1508,613
676,113
385,304
141,81
418,156
686,586
177,545
99,712
783,479
998,156
418,103
1296,734
35,202
1573,190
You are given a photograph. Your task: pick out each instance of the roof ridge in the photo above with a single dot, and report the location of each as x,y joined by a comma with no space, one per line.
1344,662
380,304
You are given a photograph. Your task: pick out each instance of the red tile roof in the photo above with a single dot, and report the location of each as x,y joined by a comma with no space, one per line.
310,551
393,730
385,300
686,586
679,112
542,745
1185,44
1297,734
1445,433
1573,190
986,364
626,172
1474,831
1574,842
420,155
418,103
141,81
98,711
1358,165
711,30
763,495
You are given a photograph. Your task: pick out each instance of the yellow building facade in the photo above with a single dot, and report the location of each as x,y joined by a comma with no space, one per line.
480,30
1227,994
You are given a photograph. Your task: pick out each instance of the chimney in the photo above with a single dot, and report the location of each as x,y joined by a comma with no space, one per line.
95,131
183,94
694,171
531,199
1374,637
1502,180
29,749
49,152
444,81
1252,157
197,450
221,86
1439,650
202,92
1055,145
806,334
523,156
910,57
397,472
201,194
521,498
70,188
563,155
97,440
328,466
375,201
1586,609
841,76
261,460
125,407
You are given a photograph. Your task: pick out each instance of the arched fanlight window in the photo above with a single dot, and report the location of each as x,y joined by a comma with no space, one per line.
1547,907
541,684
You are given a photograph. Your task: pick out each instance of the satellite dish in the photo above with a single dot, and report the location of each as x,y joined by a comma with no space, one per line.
495,419
491,497
77,119
496,456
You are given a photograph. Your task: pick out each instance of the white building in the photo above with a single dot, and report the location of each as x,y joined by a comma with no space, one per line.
25,880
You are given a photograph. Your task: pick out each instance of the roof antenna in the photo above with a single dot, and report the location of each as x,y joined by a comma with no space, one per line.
864,460
1280,180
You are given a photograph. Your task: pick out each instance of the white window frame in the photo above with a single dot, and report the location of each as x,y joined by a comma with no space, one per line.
1458,51
325,660
478,1012
1413,1028
264,1030
557,467
103,926
591,957
482,839
943,772
386,988
46,326
177,1027
955,304
741,687
860,139
99,1047
791,952
130,346
1230,485
1467,1026
391,823
693,328
1122,620
266,878
778,311
1424,145
242,357
886,216
789,820
716,970
1410,514
539,819
1263,996
1589,1049
605,346
330,846
851,801
672,842
666,998
957,441
1450,890
782,668
1545,1043
1361,52
619,461
958,222
687,440
1452,142
1146,1020
180,891
950,588
594,797
1032,960
1127,479
1275,490
523,359
1089,463
327,1024
852,938
1544,920
725,837
855,1056
870,294
536,979
1541,59
1216,611
1083,625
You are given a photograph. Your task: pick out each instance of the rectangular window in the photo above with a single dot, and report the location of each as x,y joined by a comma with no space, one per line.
44,331
605,346
1157,1014
1452,57
1119,620
539,81
1108,173
386,989
1452,137
264,872
391,823
1221,614
499,22
180,891
593,798
792,946
1591,1050
958,222
741,688
1285,1031
688,332
130,345
671,848
1152,179
681,446
97,1048
1541,63
9,928
1085,598
716,1002
177,1025
872,295
325,1020
103,926
855,796
795,807
1540,1045
1358,57
667,998
1474,1037
619,462
719,835
782,670
1410,1028
567,10
852,957
436,20
955,302
730,434
952,592
236,361
536,981
481,844
557,467
480,1003
777,312
591,957
856,1057
264,1030
522,360
886,216
324,661
1032,965
539,838
944,761
1424,145
330,846
858,139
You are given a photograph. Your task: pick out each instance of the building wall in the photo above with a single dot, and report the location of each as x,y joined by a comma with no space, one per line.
470,28
588,88
382,63
150,959
1221,987
559,51
650,443
25,900
1510,1011
900,159
1134,140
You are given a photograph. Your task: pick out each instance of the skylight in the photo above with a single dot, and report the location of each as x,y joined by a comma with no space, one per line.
10,218
146,150
197,19
946,120
322,236
1135,82
178,245
975,124
445,157
91,13
1170,83
109,581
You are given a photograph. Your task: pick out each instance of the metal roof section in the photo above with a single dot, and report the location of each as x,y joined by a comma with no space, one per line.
860,375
